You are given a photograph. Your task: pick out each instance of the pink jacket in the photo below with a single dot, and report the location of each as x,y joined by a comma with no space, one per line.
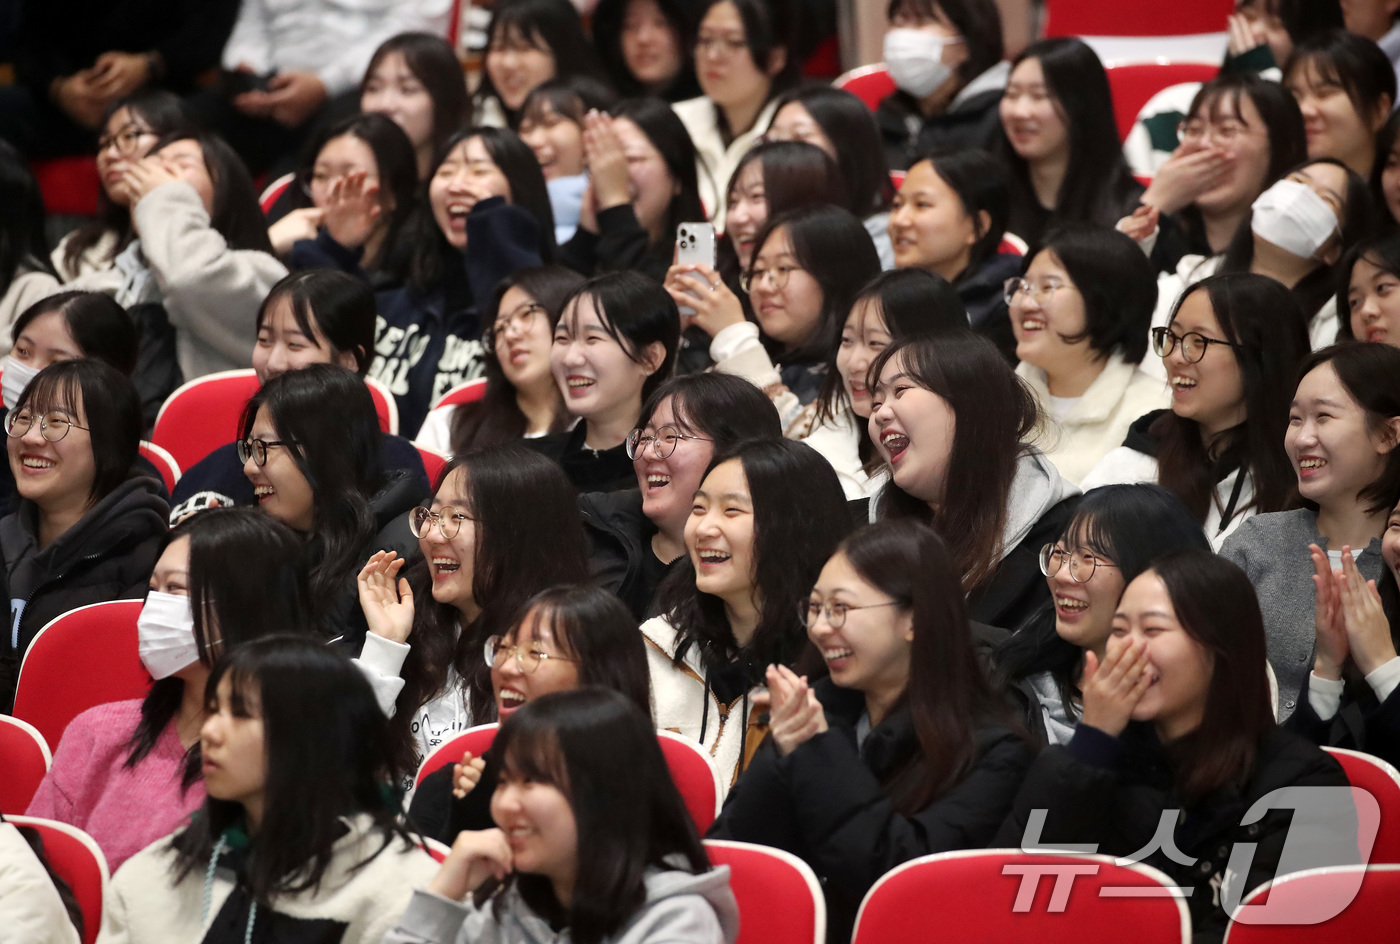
123,808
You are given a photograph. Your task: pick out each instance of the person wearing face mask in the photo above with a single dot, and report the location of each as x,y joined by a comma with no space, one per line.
127,773
945,57
316,317
1295,233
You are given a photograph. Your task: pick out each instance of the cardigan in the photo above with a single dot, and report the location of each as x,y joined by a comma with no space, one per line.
1272,550
91,787
1096,424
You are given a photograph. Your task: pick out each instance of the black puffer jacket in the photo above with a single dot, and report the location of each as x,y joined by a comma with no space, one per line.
107,555
1113,791
621,558
982,295
824,803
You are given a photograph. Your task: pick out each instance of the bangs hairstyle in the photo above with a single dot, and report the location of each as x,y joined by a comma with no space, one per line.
110,406
795,175
165,115
721,407
577,741
1350,62
1265,323
236,215
336,303
636,312
979,180
102,328
799,516
1116,281
770,26
681,15
592,626
236,555
833,247
1382,252
911,303
1370,374
1097,181
326,743
969,373
1217,607
497,418
570,97
23,241
1129,525
529,537
852,131
666,132
340,461
947,693
551,26
978,22
433,63
1221,98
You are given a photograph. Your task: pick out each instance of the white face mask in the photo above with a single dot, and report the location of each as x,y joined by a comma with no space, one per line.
1294,218
166,633
914,58
15,378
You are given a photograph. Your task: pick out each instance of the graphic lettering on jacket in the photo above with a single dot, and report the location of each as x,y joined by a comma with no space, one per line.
399,351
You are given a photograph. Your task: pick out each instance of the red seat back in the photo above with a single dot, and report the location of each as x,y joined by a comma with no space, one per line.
203,415
477,740
1097,18
470,392
163,461
274,192
25,758
1134,83
870,84
433,462
979,891
69,185
695,776
780,900
1382,781
86,657
75,857
1360,899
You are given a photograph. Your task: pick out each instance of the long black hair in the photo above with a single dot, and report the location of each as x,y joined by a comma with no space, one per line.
683,18
529,536
553,26
667,134
328,757
799,516
340,461
1097,184
433,63
497,418
100,326
236,215
577,741
852,131
1264,323
336,303
236,555
23,241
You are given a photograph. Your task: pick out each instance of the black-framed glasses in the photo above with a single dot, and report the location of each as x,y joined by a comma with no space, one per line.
809,610
53,425
1193,345
1082,562
497,650
777,276
127,138
256,449
421,521
662,440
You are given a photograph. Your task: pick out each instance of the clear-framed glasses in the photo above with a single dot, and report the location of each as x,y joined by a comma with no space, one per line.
809,610
662,440
1223,132
1042,291
522,318
721,44
1193,345
126,139
777,276
421,521
256,449
1082,562
498,650
53,425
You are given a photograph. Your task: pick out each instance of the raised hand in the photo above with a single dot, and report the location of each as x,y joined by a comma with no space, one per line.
467,774
607,164
475,857
1141,224
796,716
1185,176
352,210
145,175
700,288
1328,622
294,227
388,607
1112,690
1367,629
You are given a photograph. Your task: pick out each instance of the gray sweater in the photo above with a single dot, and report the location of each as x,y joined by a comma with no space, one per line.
1272,550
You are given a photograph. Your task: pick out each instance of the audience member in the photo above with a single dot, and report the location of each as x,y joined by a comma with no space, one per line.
529,42
647,47
1345,87
26,275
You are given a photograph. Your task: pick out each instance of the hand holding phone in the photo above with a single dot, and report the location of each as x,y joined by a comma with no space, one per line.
695,245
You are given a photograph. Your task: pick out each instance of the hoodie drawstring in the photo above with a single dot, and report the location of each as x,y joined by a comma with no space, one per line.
219,848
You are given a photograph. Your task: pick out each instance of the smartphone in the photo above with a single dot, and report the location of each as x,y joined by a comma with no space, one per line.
695,245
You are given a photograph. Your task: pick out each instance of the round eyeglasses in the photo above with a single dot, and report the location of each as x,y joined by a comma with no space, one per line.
522,318
1041,292
256,449
1193,345
809,610
1082,562
662,440
53,425
776,276
421,521
498,650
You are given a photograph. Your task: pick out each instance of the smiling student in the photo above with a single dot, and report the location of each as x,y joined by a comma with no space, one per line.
1368,301
1343,429
1345,87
